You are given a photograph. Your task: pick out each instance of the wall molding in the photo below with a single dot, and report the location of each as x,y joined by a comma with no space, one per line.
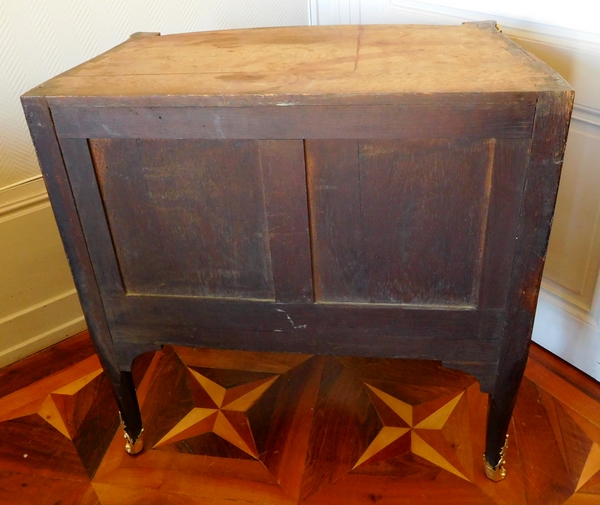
39,326
587,115
569,332
21,198
38,302
334,12
537,30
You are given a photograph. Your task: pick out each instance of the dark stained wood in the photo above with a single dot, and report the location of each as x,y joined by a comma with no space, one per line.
485,372
233,241
63,206
95,228
525,98
305,320
384,217
535,217
42,443
69,226
511,158
283,174
170,370
300,190
347,422
219,246
285,439
512,120
96,423
456,349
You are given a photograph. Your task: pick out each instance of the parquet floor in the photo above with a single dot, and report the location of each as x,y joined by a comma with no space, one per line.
250,428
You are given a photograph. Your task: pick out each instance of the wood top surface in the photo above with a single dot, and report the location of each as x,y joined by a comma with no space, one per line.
302,65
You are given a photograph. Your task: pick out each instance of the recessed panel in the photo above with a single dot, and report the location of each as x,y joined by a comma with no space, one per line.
399,221
187,217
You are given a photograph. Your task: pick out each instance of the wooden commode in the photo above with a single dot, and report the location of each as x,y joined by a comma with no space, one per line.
382,191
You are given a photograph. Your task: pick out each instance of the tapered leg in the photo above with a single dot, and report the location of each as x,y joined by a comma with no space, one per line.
501,405
130,413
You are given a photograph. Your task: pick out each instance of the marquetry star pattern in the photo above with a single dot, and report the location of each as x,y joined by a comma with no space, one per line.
68,418
63,409
220,410
404,432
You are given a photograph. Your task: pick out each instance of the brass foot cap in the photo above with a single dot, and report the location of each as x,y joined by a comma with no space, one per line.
496,474
134,447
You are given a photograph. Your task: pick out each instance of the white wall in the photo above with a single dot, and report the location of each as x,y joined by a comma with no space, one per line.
567,36
39,39
578,15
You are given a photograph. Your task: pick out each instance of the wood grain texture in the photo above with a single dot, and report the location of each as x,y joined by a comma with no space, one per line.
283,173
384,217
55,358
389,195
549,136
246,66
321,431
452,119
63,205
565,371
352,319
204,230
510,163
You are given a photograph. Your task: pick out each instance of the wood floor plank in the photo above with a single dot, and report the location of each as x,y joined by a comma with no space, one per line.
95,419
591,487
111,494
582,499
345,423
578,445
590,467
546,475
163,410
32,446
513,489
45,363
282,428
27,489
144,377
464,431
591,429
361,489
295,429
564,391
12,404
565,371
203,476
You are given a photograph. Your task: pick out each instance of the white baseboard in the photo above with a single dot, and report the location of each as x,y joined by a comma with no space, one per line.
40,326
569,332
38,302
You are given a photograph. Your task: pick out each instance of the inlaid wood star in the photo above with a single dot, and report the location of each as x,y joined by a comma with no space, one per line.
406,430
220,410
63,409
